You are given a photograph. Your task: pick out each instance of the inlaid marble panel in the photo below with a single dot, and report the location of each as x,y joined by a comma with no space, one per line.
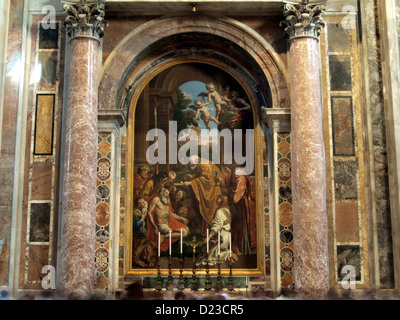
44,124
103,210
286,237
41,180
39,230
346,222
342,123
47,65
48,38
349,256
340,72
338,38
345,180
38,258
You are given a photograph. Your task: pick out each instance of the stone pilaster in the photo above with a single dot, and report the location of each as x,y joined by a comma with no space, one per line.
84,25
311,262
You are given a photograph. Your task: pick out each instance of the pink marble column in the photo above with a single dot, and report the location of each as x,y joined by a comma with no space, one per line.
311,260
77,256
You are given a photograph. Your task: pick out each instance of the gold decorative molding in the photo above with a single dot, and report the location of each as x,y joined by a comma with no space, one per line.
85,18
303,19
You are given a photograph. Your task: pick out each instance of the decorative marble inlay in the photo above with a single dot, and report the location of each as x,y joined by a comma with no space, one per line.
342,123
285,209
48,38
347,205
44,124
303,19
85,18
103,210
43,128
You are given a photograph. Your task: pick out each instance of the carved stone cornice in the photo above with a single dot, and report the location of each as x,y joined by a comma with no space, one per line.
303,19
276,119
85,18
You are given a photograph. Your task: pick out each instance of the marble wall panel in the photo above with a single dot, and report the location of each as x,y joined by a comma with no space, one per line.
41,180
47,64
285,209
345,180
339,38
39,230
103,210
38,257
48,38
342,123
347,200
346,222
5,229
340,72
349,255
44,124
45,98
122,212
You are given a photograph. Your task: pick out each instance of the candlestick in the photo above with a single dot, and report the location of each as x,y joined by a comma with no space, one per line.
230,245
208,246
194,284
207,285
181,241
219,245
169,285
158,244
170,243
194,244
159,282
218,286
230,282
181,285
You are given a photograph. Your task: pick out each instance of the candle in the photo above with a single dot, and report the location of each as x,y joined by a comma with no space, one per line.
208,248
219,246
170,244
181,241
158,244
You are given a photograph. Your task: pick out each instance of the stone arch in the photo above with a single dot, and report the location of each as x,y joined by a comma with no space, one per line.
134,61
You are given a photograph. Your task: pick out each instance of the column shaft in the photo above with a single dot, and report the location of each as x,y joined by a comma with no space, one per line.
311,260
77,263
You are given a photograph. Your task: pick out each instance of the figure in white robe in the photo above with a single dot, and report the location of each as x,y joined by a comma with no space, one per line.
221,225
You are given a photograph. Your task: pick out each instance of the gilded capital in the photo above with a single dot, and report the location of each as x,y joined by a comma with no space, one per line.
85,18
303,19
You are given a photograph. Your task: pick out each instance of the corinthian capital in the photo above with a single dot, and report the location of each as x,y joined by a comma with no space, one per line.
303,19
85,18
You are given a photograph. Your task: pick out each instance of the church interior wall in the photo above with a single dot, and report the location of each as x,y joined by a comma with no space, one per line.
356,143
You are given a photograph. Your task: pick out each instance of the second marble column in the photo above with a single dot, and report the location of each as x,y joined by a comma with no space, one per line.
77,257
311,259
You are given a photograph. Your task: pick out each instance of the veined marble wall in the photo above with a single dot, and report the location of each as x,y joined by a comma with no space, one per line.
377,148
9,128
41,183
344,152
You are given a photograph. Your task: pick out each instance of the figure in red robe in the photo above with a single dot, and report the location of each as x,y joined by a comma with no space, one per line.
241,191
139,180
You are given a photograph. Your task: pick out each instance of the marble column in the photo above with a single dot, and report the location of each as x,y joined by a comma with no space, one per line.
77,270
311,260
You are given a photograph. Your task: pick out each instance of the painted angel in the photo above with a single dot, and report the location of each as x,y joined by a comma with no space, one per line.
214,97
200,107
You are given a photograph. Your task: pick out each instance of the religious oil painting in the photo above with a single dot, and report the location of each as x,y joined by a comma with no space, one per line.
194,172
